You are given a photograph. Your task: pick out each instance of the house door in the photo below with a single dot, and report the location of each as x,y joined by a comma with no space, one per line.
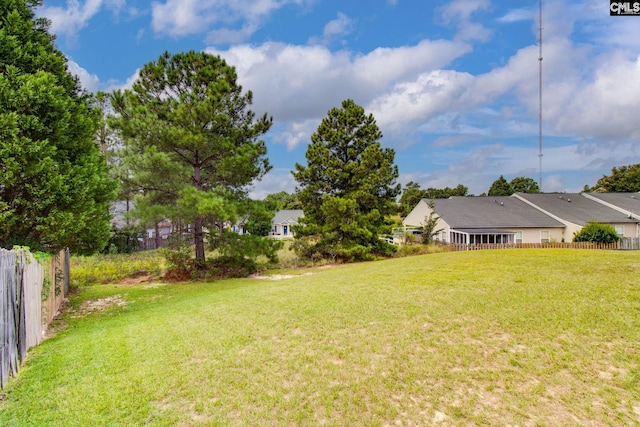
285,229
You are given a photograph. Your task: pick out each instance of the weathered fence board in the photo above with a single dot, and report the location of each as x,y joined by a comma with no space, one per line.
32,282
8,317
25,310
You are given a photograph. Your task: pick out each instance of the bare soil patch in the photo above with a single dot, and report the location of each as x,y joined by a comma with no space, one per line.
88,307
138,278
278,276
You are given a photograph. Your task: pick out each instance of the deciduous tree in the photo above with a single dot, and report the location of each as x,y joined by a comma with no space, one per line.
348,185
523,184
412,194
281,201
623,179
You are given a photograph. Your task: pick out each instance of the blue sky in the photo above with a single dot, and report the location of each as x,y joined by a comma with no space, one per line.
453,85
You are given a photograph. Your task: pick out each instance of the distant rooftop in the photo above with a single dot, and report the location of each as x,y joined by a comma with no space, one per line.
575,208
287,216
491,212
629,202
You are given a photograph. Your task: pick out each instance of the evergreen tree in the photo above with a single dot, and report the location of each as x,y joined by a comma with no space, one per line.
192,142
54,187
500,187
347,187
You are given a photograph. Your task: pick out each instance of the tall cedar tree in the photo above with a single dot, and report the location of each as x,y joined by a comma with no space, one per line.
348,186
193,145
54,187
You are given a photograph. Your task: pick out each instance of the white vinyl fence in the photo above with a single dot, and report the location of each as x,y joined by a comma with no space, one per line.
31,293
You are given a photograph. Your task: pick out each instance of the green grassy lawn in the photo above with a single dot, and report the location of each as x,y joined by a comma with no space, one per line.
505,337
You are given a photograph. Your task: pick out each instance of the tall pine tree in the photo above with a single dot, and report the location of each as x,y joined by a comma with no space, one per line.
348,186
193,144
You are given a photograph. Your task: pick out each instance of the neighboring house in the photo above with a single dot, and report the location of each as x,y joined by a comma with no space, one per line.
239,227
477,220
164,228
282,222
575,210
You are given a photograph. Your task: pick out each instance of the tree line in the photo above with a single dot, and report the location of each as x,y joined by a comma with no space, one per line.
183,144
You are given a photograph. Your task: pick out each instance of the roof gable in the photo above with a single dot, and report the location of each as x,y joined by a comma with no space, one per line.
287,216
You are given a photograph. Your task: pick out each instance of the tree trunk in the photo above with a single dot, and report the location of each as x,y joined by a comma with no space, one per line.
198,238
198,234
157,227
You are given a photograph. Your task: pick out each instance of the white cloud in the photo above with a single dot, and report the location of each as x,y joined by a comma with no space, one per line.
113,85
517,15
89,82
605,106
299,84
340,26
178,18
76,15
414,102
297,133
459,12
226,35
275,181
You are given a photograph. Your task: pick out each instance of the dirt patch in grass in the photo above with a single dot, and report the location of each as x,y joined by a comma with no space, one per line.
138,278
279,276
88,307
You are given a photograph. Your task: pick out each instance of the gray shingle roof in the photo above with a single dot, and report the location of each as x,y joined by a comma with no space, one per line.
287,216
491,212
628,202
575,208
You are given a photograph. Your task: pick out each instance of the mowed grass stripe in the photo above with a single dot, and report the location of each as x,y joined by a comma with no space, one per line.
522,337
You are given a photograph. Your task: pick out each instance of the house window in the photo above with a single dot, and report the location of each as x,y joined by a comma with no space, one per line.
518,237
620,230
544,236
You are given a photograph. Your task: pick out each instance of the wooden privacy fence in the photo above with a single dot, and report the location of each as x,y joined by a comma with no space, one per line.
31,294
626,244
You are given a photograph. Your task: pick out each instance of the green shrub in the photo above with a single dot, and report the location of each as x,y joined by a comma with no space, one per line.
597,233
180,264
236,256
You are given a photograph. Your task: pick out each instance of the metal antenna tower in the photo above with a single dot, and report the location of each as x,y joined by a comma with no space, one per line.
540,92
